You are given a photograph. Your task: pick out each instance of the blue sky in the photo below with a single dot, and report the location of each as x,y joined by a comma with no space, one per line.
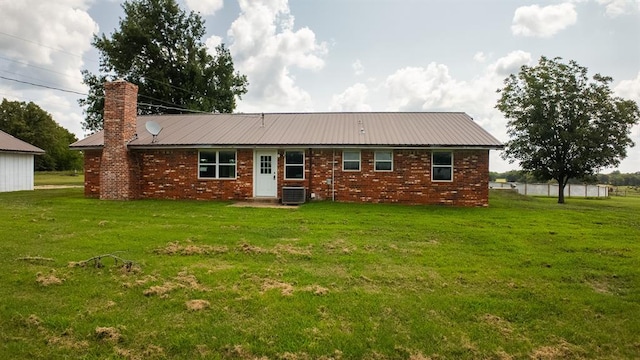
344,55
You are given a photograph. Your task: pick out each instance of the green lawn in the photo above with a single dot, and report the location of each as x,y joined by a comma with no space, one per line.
58,178
525,278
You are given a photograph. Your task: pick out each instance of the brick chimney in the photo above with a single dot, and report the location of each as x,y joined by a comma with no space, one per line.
117,163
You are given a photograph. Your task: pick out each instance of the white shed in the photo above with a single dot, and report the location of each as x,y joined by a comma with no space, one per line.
16,163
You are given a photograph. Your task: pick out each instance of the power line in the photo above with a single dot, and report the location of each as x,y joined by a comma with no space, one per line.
39,67
27,77
44,86
46,46
175,108
80,56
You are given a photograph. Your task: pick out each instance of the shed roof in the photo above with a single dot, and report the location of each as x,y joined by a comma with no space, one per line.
358,129
9,143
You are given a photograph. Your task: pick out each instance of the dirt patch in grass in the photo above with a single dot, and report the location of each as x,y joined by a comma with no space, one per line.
251,249
150,352
286,289
197,305
109,334
563,350
47,280
182,281
496,322
67,341
317,290
175,248
33,320
291,250
238,352
339,247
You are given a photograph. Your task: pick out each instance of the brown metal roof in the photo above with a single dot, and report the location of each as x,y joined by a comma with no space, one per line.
358,129
12,144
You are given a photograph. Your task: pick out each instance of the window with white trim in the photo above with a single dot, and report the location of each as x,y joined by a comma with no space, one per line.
294,165
383,160
442,166
350,160
214,164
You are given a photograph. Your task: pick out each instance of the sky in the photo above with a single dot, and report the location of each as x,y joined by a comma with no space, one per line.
343,55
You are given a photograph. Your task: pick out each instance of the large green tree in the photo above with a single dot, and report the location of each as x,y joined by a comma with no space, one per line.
29,123
159,47
562,124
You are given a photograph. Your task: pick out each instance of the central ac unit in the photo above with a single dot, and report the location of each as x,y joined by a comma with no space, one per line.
293,195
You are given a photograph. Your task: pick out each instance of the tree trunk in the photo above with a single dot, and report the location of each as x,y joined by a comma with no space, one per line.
561,184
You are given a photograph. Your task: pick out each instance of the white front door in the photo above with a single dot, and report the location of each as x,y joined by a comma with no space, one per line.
265,168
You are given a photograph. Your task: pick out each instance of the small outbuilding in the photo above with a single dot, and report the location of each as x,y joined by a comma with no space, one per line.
16,163
411,158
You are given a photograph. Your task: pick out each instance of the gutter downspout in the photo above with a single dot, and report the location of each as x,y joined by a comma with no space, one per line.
310,172
333,176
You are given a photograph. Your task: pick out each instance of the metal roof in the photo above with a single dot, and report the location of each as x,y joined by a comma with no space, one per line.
357,129
11,144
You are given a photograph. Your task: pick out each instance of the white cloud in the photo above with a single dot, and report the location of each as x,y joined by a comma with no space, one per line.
545,21
352,99
419,88
629,89
205,7
616,8
480,57
432,88
212,42
358,68
266,48
511,63
44,42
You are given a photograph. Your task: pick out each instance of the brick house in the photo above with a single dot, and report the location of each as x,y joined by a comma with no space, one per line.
412,158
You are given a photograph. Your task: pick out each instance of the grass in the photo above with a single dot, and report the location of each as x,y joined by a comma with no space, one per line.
58,178
524,278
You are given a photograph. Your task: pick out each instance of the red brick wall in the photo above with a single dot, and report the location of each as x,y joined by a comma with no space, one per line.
92,173
173,174
117,168
409,182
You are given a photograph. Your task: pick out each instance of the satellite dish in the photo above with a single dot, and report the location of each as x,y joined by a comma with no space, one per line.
153,128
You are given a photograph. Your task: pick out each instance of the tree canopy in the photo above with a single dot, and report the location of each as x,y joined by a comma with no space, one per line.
29,123
563,125
159,47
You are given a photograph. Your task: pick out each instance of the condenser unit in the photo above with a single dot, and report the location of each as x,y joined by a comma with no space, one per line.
293,195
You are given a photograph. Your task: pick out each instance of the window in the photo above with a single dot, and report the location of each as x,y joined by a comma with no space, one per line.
442,166
294,165
351,160
217,164
383,160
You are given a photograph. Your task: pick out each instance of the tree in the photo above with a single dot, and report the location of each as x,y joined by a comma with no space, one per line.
29,123
159,48
561,124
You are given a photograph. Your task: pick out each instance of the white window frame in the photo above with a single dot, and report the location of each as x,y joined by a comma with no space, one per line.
441,166
217,164
376,160
287,165
359,161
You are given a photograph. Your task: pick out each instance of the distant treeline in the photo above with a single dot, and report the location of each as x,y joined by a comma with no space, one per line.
615,178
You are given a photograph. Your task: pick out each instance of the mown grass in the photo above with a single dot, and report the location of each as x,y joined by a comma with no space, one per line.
524,278
58,178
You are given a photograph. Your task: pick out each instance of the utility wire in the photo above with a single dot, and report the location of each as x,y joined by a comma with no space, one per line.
39,67
46,46
44,86
27,77
83,94
80,56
